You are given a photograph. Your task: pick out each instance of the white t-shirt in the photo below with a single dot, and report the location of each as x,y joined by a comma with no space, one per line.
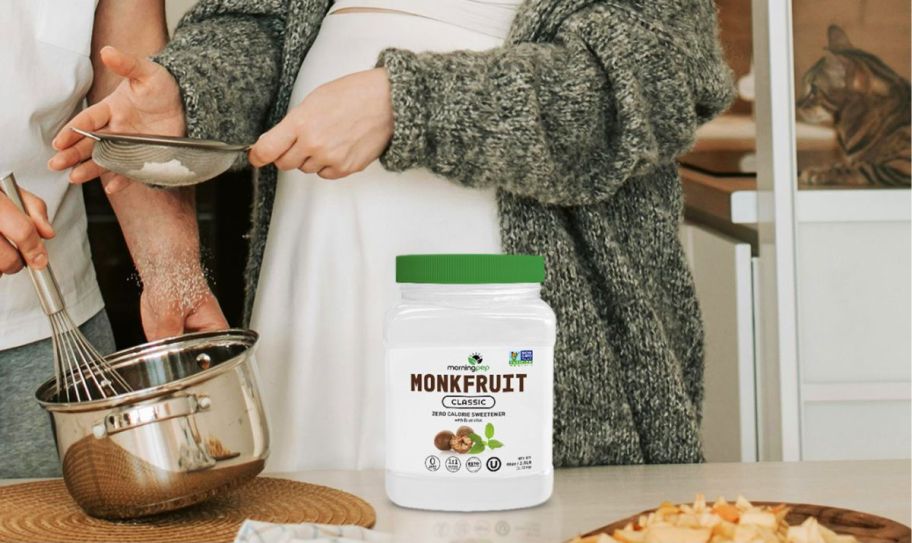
46,72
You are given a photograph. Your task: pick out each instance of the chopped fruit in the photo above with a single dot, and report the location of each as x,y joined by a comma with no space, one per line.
727,512
723,522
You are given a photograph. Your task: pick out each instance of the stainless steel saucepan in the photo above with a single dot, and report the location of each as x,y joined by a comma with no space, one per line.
194,426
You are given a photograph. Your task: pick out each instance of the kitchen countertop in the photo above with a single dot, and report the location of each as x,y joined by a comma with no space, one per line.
587,498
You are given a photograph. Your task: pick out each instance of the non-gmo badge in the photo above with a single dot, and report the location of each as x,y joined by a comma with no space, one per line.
521,358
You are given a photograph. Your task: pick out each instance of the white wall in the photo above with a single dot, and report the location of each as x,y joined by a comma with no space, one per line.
175,9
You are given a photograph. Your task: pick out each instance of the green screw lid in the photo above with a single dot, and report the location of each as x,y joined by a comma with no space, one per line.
470,269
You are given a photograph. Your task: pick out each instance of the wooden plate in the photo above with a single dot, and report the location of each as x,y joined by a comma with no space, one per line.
865,527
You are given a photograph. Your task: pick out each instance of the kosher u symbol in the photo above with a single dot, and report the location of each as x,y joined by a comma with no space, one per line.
493,464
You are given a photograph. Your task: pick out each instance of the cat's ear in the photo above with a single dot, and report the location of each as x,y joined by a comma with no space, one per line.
838,39
834,68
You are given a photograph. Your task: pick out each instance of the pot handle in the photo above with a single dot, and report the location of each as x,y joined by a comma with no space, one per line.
129,417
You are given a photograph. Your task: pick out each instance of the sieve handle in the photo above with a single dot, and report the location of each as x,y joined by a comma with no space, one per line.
44,280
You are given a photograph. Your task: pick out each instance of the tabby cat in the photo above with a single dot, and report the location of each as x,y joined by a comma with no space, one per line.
869,106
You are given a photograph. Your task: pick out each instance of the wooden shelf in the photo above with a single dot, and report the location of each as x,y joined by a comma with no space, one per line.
735,199
732,199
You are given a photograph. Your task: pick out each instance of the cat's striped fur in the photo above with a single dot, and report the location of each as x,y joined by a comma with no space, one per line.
870,107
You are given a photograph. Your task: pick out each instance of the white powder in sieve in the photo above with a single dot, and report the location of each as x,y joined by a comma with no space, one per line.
172,170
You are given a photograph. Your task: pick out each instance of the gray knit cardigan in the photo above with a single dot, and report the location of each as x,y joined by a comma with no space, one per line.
576,120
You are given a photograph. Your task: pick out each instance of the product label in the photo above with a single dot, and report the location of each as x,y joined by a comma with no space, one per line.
469,412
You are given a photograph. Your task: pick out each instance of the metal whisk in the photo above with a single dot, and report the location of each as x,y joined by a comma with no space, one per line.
81,372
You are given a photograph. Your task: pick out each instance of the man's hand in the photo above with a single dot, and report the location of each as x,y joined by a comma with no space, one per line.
132,94
337,130
25,231
163,316
147,101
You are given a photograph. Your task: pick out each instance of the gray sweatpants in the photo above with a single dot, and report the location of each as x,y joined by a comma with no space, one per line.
27,446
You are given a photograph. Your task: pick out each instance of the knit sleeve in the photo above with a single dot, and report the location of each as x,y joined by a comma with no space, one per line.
225,58
620,89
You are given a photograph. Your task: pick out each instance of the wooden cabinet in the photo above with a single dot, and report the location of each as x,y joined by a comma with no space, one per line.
851,321
722,272
854,352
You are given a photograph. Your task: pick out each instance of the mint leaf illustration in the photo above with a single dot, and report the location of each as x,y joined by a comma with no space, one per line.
489,430
494,444
478,444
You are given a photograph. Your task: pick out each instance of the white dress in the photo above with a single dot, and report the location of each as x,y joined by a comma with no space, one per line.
328,278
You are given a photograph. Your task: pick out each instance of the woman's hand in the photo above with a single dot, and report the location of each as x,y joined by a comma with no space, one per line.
25,231
147,101
337,130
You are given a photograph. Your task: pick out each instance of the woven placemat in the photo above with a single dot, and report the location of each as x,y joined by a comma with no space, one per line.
43,511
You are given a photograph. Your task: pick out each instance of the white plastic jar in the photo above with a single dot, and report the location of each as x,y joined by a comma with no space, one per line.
469,384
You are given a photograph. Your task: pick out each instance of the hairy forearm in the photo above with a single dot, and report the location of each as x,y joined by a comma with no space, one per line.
161,232
159,226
